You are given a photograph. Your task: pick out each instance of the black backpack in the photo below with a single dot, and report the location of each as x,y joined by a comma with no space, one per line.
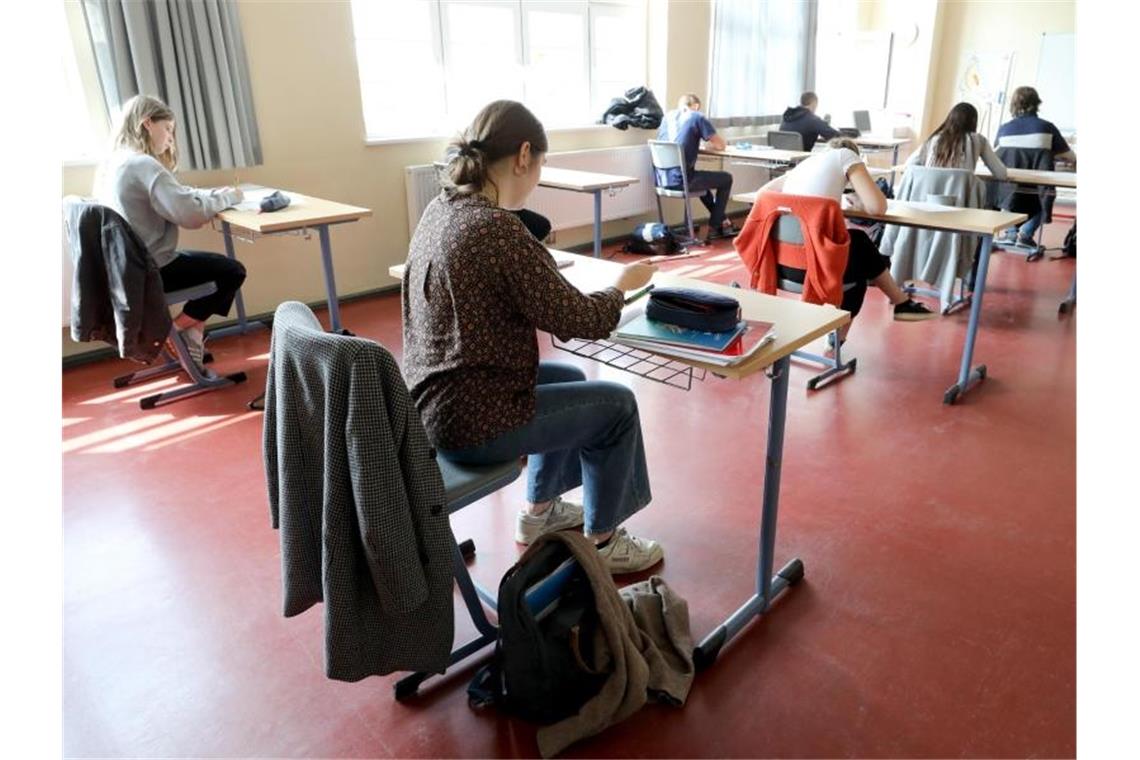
1069,248
548,623
654,240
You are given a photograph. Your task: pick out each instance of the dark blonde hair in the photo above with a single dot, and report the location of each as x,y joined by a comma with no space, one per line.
131,134
688,100
836,143
1025,100
498,131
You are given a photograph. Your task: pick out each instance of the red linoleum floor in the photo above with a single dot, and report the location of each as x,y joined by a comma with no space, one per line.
936,619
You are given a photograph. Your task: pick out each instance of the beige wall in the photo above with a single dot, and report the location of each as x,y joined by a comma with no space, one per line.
303,70
997,26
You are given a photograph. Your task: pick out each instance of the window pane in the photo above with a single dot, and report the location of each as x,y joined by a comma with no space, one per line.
481,54
401,80
617,52
557,88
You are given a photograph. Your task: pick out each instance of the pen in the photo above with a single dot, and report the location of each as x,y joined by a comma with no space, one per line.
638,294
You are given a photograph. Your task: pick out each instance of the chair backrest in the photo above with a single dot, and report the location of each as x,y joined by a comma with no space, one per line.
666,155
862,120
787,231
921,182
785,140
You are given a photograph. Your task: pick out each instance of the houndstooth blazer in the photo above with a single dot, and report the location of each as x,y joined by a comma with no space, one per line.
358,499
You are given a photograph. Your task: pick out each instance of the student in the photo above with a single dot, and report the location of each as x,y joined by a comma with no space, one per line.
476,287
1028,131
826,174
137,181
956,144
688,126
802,119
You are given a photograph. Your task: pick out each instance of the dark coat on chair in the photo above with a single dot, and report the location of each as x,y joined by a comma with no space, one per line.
116,293
359,500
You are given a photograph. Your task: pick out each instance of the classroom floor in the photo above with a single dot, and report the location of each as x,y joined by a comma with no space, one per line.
936,618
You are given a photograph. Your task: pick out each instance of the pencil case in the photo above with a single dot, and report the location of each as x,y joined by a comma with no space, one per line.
274,202
693,309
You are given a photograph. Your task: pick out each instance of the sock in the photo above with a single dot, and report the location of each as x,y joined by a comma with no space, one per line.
604,544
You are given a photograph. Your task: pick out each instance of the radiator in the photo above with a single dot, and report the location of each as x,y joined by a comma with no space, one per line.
564,208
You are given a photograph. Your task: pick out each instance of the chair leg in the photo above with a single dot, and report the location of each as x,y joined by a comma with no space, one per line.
689,218
660,211
474,600
200,382
835,366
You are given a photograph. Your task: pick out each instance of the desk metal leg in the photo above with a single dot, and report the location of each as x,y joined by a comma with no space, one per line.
242,326
330,278
965,374
768,587
597,224
894,163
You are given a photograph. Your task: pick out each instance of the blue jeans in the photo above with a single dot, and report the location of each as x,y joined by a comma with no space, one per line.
583,433
1028,229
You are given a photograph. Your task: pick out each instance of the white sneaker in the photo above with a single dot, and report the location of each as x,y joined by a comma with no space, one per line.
627,554
561,515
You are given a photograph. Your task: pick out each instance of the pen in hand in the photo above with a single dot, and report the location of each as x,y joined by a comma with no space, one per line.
638,294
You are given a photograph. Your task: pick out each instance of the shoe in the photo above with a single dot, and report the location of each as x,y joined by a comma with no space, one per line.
627,554
195,340
561,515
911,310
831,344
725,232
1028,242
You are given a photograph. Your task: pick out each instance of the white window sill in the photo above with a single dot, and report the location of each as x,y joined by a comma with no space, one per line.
436,138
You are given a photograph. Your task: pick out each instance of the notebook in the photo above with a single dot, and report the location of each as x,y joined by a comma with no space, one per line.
755,336
644,329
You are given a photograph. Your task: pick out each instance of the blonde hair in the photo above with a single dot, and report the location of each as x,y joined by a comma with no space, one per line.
836,143
131,134
688,100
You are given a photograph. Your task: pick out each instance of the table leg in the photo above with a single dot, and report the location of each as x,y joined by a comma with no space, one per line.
597,224
894,163
330,278
768,587
965,374
242,326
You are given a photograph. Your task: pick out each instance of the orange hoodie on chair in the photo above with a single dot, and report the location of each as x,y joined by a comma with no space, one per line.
823,254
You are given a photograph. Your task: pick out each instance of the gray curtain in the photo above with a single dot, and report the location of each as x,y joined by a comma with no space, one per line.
190,54
763,56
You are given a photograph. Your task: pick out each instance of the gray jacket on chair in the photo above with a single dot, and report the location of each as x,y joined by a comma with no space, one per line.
933,256
116,292
359,500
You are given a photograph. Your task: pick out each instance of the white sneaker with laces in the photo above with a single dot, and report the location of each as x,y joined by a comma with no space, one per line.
627,554
561,515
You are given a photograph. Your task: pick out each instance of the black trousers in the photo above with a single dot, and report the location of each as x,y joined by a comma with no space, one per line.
864,263
716,204
191,268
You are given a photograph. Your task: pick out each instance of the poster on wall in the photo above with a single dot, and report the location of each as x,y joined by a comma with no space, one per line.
983,80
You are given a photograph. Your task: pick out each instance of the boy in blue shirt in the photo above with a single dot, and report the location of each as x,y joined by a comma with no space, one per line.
688,126
1027,131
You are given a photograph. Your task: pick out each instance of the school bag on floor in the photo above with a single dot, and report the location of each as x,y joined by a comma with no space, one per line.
653,239
548,624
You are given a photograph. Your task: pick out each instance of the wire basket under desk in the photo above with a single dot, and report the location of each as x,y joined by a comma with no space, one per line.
636,361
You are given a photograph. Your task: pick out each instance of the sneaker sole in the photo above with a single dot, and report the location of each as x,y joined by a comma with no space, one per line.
655,557
915,317
521,539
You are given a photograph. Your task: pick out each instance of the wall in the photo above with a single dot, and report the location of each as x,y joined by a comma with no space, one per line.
306,92
993,26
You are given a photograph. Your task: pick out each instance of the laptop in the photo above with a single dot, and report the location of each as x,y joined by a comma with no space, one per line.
863,121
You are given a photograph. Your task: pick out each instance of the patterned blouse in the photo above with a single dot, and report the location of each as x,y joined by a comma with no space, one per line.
476,286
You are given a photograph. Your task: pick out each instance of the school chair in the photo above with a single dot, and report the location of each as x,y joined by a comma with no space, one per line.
665,155
786,239
311,356
89,226
785,140
1025,199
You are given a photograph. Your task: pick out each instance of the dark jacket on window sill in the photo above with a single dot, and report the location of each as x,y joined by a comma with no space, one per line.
116,293
638,108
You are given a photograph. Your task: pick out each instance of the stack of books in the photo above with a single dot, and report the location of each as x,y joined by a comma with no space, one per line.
724,349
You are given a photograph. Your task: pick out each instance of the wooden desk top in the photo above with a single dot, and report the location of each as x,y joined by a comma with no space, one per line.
871,141
930,216
303,211
769,155
583,182
1035,177
796,323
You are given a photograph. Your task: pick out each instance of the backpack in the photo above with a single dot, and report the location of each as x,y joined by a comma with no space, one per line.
654,240
1069,247
548,625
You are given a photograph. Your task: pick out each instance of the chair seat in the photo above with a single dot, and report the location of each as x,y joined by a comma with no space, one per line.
791,286
467,483
671,193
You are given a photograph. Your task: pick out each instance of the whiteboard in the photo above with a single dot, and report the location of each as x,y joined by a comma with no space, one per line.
1057,80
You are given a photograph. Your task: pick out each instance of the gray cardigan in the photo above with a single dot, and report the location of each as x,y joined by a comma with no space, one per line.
359,501
934,256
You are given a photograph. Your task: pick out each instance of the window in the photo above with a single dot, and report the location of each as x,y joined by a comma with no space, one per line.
427,66
763,55
86,115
